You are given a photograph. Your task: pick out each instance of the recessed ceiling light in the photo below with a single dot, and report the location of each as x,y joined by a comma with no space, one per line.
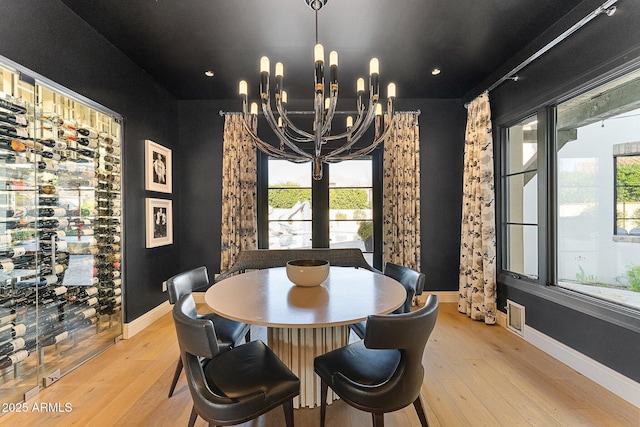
208,73
435,71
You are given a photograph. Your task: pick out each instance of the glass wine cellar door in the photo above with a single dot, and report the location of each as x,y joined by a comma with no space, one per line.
60,231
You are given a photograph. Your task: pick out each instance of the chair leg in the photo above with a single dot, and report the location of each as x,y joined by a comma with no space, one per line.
192,417
247,336
420,410
288,412
378,419
324,387
176,376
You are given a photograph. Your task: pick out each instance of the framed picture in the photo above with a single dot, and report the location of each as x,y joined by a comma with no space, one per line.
157,167
159,222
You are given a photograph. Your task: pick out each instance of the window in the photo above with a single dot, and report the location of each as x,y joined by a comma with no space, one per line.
597,192
338,209
289,196
520,185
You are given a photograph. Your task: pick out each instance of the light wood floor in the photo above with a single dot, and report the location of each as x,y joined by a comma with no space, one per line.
475,375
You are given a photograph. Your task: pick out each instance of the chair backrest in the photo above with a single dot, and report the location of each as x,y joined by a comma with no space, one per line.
256,259
409,333
197,340
413,282
196,336
186,282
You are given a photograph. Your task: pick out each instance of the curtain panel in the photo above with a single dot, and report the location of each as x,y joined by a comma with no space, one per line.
477,292
239,217
401,193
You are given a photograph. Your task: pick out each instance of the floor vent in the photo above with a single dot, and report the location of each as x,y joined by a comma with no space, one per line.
515,317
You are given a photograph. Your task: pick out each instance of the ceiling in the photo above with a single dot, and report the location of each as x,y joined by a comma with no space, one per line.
176,41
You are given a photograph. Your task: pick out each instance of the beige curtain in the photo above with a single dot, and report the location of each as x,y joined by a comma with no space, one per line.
239,218
478,238
401,193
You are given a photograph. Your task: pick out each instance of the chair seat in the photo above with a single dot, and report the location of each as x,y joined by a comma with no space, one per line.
367,367
229,332
250,369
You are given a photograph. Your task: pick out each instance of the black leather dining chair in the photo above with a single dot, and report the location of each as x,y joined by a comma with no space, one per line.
229,332
383,372
413,282
234,386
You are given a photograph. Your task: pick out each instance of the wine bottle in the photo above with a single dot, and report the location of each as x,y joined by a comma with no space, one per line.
47,189
15,108
54,339
48,211
11,346
60,245
13,159
48,201
88,142
6,266
88,153
70,124
86,302
108,238
48,166
110,292
52,143
87,292
51,155
10,331
88,132
14,358
68,134
13,120
13,132
54,292
13,253
12,144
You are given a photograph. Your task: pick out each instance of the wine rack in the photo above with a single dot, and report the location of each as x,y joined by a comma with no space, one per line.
60,233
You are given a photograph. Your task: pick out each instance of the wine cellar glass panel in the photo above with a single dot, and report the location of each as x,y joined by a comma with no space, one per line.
60,233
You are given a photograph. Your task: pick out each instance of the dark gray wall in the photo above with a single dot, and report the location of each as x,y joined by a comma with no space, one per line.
441,149
605,45
46,37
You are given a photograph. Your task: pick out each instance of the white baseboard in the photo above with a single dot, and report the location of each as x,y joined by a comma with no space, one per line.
613,381
132,328
443,296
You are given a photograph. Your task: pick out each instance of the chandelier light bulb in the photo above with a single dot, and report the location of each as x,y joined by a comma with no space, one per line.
254,108
360,85
264,65
391,90
279,69
374,66
378,109
280,122
318,53
285,97
349,122
333,58
242,88
327,101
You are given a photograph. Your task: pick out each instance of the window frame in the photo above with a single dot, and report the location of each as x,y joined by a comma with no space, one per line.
320,197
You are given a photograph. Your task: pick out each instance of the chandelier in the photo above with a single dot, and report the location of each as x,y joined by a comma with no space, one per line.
293,140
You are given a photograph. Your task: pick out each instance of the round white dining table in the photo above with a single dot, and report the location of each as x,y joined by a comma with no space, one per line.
303,323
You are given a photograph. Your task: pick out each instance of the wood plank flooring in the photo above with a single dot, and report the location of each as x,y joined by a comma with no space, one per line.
475,375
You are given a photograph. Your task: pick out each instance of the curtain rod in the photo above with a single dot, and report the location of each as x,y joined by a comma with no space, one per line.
606,7
306,113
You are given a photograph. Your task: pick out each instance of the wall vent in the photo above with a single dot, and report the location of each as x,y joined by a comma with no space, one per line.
515,317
